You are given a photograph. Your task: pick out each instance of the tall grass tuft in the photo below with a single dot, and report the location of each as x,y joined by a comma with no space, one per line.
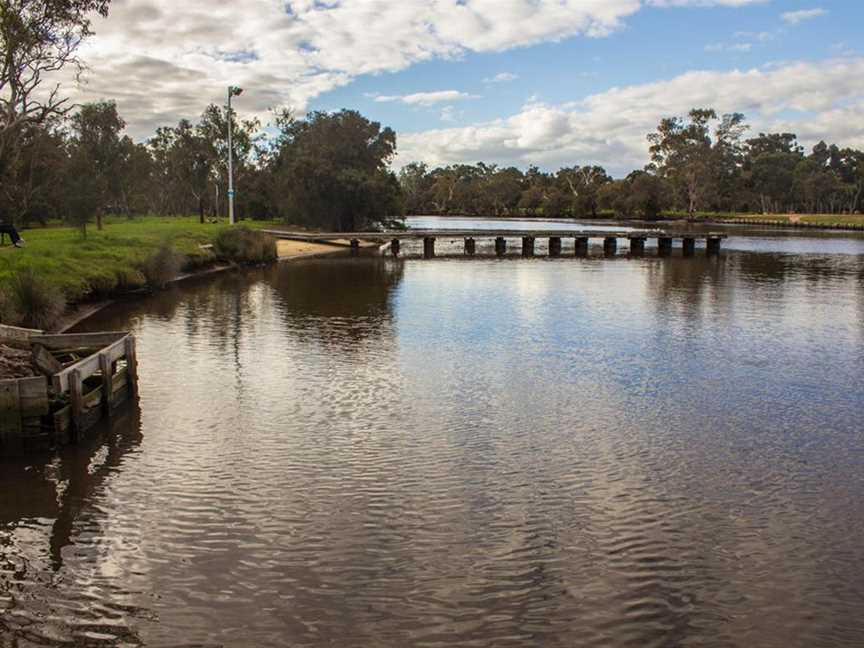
37,303
243,245
162,266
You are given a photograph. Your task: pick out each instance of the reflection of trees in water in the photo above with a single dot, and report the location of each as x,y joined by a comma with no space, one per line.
686,285
336,300
67,490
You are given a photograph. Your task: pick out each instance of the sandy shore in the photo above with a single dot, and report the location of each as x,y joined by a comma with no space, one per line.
287,249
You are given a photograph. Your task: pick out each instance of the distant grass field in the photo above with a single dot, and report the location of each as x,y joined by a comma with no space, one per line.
109,259
826,220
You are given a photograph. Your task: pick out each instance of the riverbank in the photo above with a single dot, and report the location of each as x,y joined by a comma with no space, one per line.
59,271
849,222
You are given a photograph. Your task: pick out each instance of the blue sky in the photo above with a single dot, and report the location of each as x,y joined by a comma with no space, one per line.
547,82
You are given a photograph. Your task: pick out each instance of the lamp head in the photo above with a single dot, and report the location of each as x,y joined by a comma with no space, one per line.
235,91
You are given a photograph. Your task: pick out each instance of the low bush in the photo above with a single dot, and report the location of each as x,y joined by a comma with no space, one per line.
7,309
243,245
37,303
162,266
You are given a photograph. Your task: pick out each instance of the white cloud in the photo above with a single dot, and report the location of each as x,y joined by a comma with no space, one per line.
164,59
795,17
501,77
427,98
818,100
729,47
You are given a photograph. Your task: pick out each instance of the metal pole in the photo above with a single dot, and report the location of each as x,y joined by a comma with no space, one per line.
230,163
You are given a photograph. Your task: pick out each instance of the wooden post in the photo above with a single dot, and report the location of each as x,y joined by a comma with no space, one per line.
107,383
470,246
131,367
10,412
637,245
610,245
76,400
500,246
713,245
395,245
527,246
581,245
664,246
689,246
429,247
554,246
355,247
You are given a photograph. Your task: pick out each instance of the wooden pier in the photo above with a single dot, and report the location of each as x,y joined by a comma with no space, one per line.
581,239
85,377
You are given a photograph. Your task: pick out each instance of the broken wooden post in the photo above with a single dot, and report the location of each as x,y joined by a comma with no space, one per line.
581,246
131,366
470,246
395,245
554,246
664,246
610,245
107,382
713,245
637,245
500,246
429,247
76,400
689,246
45,362
527,246
355,247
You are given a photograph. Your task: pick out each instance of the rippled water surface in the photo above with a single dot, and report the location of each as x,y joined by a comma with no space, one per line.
451,452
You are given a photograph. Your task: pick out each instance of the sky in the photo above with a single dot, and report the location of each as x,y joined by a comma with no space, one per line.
512,82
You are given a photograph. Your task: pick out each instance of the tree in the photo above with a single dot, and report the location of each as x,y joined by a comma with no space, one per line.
96,129
36,39
330,171
681,152
583,185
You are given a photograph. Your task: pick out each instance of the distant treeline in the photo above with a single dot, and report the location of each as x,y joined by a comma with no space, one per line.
329,170
693,167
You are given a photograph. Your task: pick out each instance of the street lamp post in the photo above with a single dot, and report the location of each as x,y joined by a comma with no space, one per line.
233,91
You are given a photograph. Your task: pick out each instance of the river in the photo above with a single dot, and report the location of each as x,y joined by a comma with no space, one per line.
467,452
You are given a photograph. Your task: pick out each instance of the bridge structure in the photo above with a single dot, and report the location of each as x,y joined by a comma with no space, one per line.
581,238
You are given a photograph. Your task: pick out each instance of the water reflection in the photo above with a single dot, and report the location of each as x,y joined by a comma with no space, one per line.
55,511
556,452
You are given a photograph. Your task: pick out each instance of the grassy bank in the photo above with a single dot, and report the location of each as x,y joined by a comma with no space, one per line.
792,220
125,255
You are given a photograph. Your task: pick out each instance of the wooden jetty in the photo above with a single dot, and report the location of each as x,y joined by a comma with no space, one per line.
581,238
85,376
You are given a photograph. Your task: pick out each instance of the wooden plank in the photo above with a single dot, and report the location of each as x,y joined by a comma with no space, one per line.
131,366
33,397
17,333
76,398
78,340
10,412
89,366
45,362
105,366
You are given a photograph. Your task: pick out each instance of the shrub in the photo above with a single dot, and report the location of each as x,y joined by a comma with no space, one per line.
243,245
38,304
7,309
162,266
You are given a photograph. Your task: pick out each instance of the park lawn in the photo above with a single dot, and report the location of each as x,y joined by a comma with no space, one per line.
109,259
815,219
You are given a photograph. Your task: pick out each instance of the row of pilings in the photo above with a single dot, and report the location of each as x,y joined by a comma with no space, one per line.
610,246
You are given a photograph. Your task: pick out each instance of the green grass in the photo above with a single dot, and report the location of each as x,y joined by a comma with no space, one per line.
815,219
110,259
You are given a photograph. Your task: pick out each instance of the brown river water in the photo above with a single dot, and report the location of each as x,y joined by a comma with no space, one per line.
452,452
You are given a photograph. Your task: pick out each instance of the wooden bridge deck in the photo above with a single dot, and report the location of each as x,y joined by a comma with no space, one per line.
489,233
610,238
